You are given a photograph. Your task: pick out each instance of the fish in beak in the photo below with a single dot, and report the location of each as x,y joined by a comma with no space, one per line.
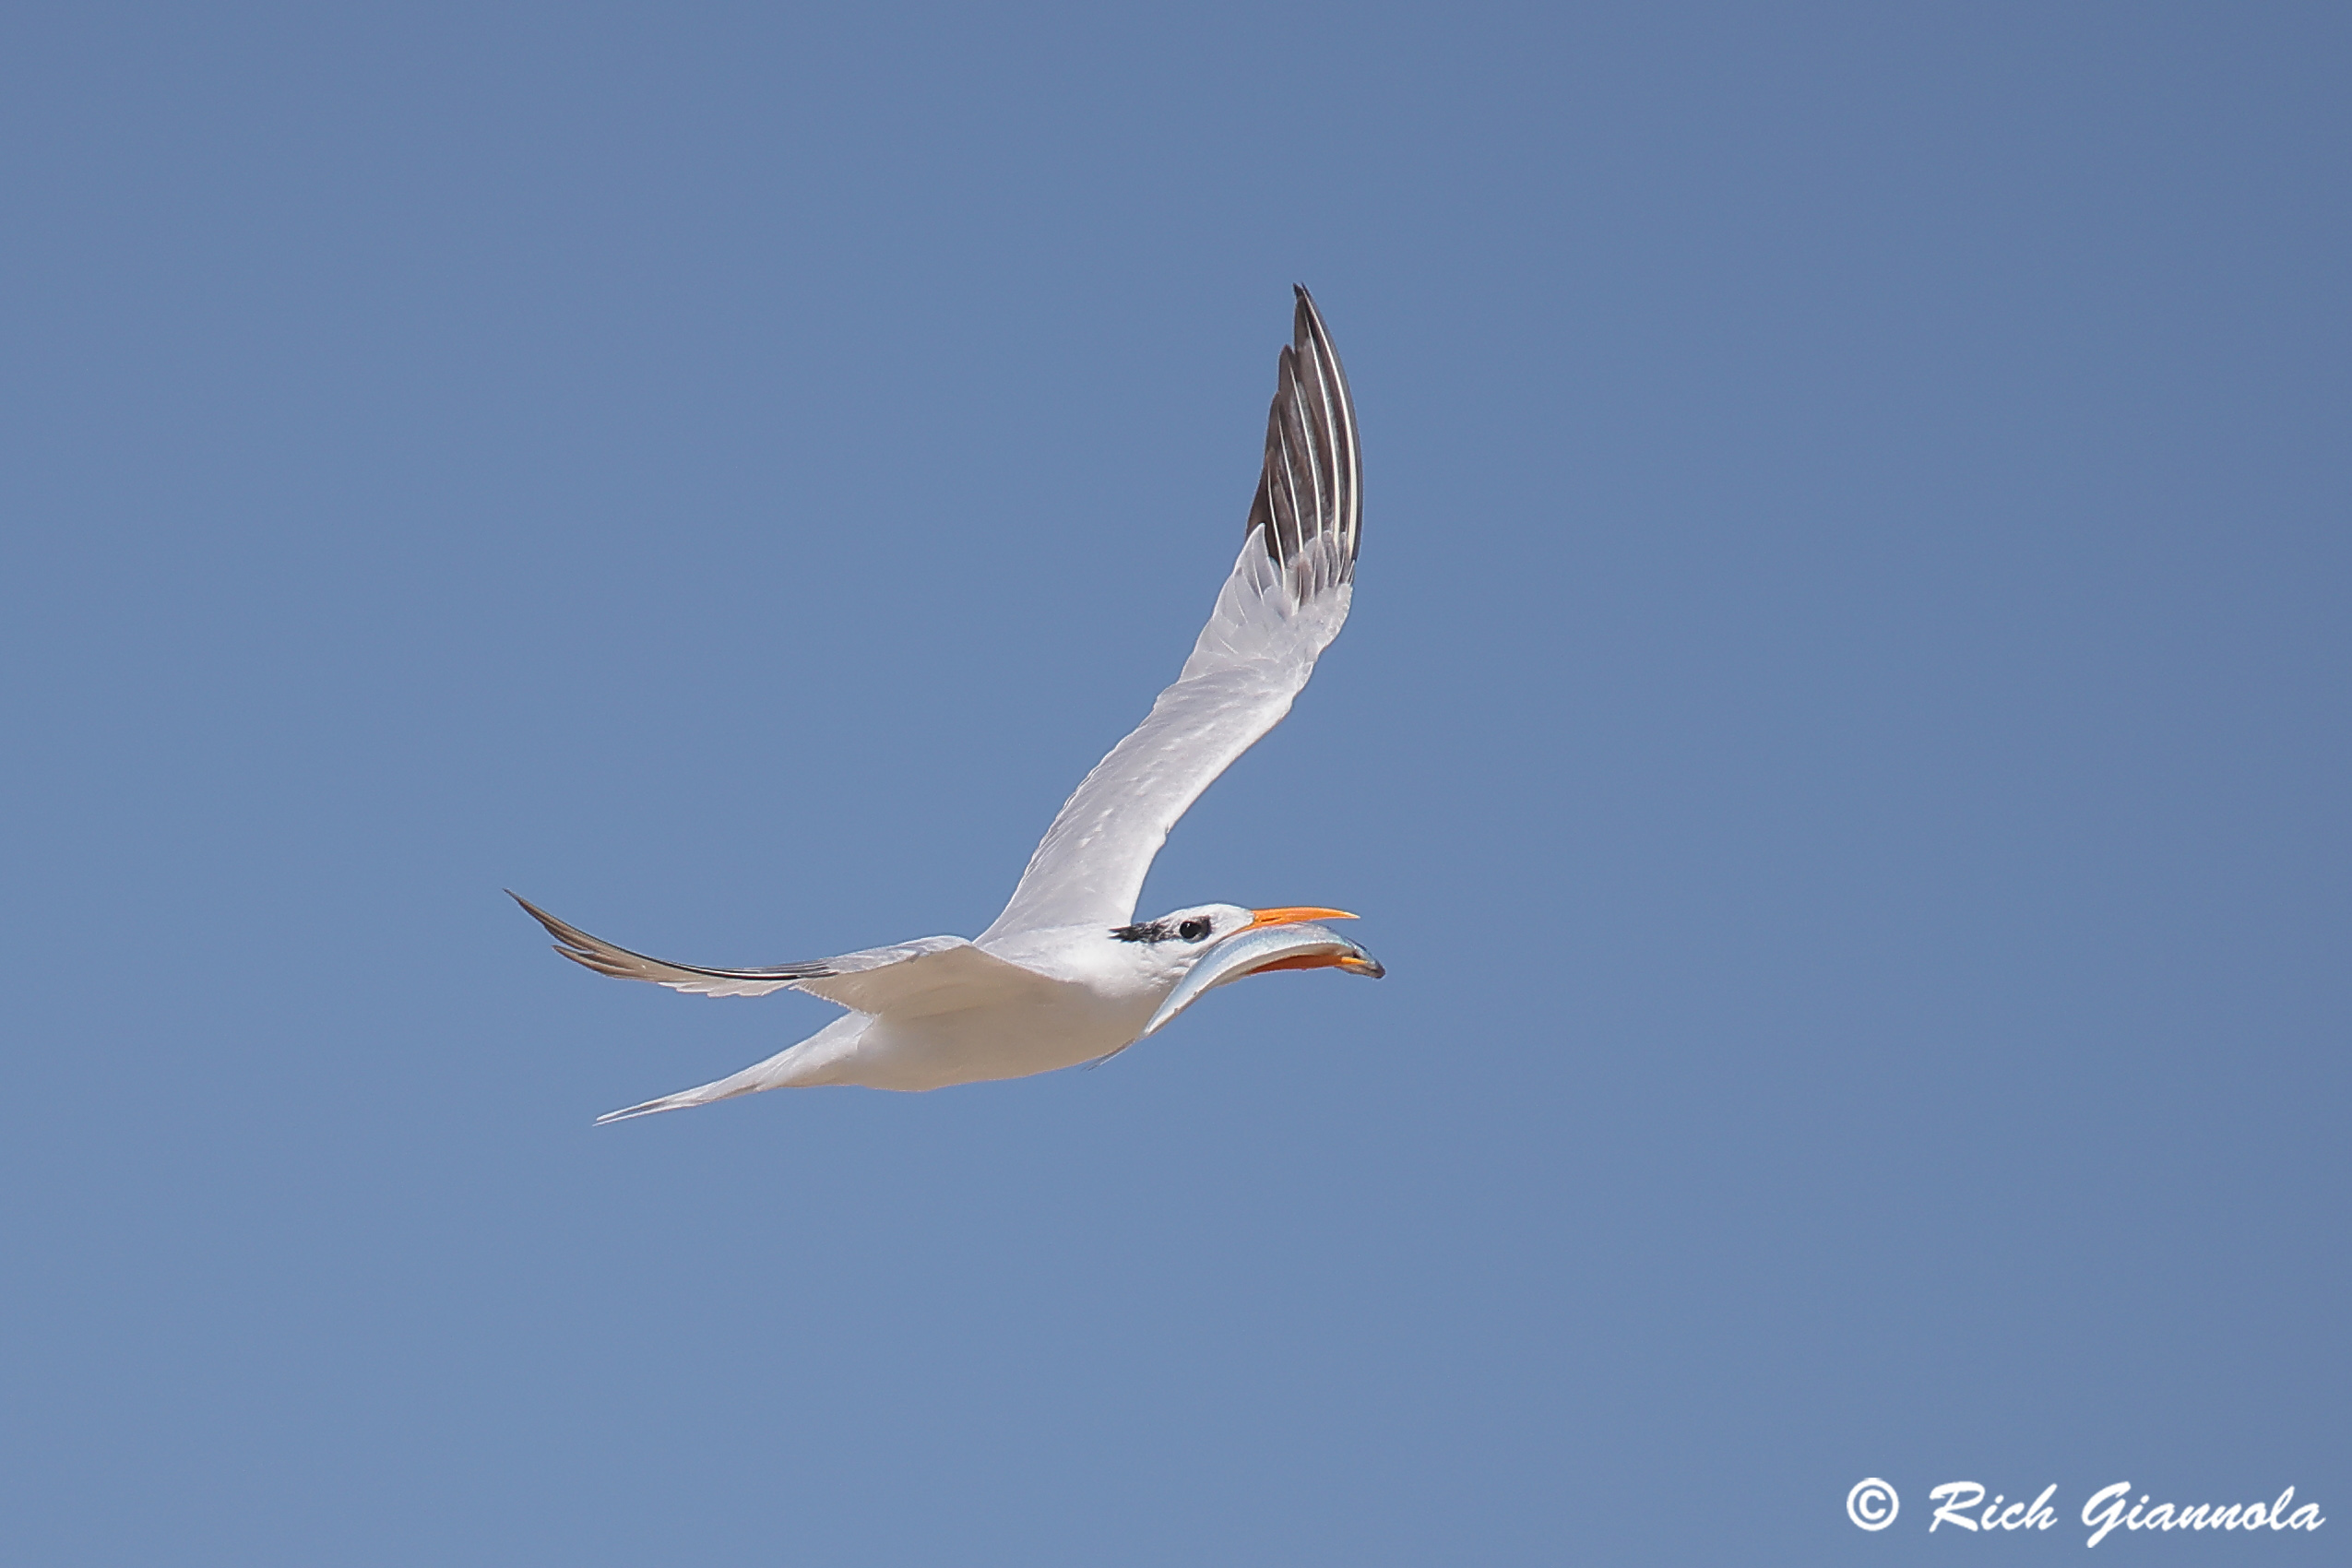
1289,943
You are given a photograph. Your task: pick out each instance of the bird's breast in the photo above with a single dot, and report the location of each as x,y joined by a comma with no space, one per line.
980,1044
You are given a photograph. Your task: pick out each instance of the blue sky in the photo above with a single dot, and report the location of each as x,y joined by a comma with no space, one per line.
1841,746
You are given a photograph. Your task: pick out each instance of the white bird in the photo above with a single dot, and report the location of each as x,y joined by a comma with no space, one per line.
1067,974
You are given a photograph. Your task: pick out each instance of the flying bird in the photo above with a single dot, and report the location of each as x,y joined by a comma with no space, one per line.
1067,974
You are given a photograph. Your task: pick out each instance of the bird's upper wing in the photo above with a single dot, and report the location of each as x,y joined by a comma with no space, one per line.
1285,601
931,974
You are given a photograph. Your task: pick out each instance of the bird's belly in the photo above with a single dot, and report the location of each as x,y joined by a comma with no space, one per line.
976,1045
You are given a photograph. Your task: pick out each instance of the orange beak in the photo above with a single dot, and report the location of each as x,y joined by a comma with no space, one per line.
1293,915
1353,965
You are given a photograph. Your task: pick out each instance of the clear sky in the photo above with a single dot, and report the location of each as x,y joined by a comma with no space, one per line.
1842,747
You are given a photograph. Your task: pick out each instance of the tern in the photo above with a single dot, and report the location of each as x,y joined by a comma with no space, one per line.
1066,974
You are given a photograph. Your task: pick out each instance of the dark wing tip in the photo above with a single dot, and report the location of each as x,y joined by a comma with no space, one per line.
588,950
556,927
1311,485
1306,321
621,963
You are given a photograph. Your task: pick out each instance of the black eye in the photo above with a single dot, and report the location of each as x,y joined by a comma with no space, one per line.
1193,931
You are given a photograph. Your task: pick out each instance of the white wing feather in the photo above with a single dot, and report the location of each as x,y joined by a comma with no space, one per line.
931,974
1286,600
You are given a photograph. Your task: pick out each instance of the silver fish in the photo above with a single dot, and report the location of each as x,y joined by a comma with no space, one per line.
1252,951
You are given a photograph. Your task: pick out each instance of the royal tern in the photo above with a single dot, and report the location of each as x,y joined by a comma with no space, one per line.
1067,974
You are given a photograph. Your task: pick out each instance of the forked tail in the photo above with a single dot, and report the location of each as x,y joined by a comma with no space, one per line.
797,1067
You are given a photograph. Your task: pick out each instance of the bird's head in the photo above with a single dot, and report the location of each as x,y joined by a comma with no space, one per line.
1173,943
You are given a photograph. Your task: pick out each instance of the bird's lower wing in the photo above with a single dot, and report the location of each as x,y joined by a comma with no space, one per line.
933,974
939,979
